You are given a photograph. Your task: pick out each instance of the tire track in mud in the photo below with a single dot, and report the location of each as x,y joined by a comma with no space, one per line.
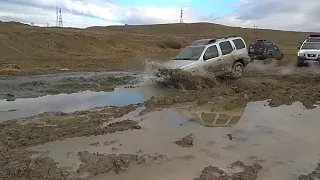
35,86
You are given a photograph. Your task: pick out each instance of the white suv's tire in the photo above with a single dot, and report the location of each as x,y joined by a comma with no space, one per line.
237,69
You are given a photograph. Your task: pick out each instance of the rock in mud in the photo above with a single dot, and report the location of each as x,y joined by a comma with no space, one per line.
186,141
247,173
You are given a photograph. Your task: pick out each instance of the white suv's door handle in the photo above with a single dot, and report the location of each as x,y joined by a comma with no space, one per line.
219,59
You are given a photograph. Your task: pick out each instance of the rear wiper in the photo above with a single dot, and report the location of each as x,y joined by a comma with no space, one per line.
181,59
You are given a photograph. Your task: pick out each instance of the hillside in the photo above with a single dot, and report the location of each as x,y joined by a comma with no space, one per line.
38,50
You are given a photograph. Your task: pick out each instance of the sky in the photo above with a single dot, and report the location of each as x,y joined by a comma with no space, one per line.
268,14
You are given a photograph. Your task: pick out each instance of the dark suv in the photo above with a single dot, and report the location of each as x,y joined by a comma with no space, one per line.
262,49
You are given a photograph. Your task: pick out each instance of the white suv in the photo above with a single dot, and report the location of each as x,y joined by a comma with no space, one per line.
309,50
220,55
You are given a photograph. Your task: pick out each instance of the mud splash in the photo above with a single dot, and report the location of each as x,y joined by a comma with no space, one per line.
185,80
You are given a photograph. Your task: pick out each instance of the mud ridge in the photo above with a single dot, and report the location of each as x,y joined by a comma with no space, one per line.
186,141
94,163
247,172
59,126
17,165
231,93
311,176
35,86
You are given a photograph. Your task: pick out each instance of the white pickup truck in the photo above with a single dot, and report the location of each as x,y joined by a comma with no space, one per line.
309,52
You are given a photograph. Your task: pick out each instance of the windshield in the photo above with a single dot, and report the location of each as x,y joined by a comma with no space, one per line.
311,46
190,53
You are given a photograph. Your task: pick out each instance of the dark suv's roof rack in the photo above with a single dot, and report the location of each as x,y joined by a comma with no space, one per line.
314,35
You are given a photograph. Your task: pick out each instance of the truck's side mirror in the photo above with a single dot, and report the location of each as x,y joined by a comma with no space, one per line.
299,48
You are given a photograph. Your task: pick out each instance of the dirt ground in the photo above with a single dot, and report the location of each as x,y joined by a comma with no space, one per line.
131,141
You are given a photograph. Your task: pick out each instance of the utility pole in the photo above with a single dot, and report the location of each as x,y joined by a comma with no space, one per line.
60,19
255,29
57,16
181,16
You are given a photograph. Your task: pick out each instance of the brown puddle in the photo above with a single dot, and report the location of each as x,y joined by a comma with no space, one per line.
283,140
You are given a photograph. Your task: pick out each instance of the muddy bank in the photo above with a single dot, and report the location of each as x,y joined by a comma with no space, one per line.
313,175
244,172
34,86
17,165
58,126
95,163
16,135
231,93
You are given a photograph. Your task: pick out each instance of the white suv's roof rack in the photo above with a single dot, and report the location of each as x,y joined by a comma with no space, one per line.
210,41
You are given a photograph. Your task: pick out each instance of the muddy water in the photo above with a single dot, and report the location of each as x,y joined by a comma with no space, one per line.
84,100
284,140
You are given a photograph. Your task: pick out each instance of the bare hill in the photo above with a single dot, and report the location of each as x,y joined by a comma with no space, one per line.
45,50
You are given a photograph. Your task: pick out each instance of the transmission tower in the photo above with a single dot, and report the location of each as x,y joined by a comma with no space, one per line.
255,29
181,16
60,18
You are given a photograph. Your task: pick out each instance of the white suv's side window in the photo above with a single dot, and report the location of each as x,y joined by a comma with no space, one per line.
211,52
226,47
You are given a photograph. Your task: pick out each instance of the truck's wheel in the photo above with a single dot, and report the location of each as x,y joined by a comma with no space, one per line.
281,57
299,64
237,69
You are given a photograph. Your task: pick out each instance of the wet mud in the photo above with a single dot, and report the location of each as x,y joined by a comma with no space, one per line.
40,85
118,142
231,93
95,163
246,172
314,175
17,165
58,126
186,141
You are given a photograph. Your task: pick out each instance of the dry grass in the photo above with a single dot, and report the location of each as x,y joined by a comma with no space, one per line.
47,50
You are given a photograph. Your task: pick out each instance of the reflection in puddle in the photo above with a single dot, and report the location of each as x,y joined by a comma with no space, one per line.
212,115
283,139
71,102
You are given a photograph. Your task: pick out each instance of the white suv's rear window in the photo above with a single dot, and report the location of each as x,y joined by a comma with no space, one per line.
239,44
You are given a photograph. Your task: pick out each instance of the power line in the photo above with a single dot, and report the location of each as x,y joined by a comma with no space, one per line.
57,16
255,29
181,16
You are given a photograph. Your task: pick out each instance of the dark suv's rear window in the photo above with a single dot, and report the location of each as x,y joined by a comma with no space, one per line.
312,39
257,45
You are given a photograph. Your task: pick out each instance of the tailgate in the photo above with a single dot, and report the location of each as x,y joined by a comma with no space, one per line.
256,48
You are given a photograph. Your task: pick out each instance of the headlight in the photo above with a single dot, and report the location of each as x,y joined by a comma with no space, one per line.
300,54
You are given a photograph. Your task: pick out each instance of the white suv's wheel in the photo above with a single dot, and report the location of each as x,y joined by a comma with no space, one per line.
237,69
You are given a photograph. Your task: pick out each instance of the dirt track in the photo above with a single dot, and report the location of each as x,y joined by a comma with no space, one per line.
165,131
